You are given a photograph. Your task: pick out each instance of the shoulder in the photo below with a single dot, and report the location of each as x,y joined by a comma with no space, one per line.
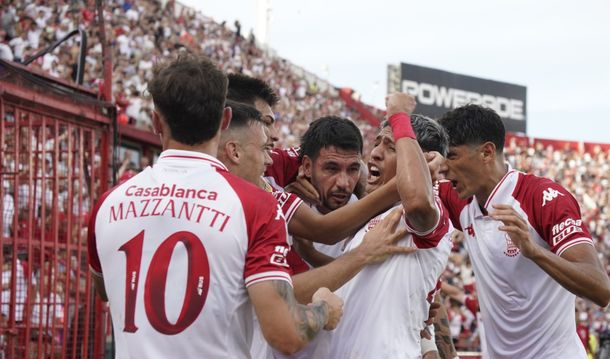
250,195
539,190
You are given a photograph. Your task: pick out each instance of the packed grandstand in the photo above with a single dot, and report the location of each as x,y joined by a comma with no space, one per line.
144,30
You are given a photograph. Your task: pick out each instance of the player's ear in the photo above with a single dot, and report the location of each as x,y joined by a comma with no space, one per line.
307,166
231,149
227,114
156,122
488,152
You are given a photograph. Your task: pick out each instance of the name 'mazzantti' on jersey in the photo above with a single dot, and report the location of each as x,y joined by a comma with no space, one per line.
169,200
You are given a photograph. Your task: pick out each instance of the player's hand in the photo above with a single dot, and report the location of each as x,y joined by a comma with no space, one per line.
379,243
399,102
335,306
436,164
516,228
303,188
433,312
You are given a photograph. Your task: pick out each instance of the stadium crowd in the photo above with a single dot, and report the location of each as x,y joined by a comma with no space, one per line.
144,30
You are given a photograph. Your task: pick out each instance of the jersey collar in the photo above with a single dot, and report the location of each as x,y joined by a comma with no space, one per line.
496,195
181,155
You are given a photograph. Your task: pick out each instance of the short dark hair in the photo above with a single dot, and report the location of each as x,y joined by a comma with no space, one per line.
243,115
246,89
474,125
430,135
189,92
330,131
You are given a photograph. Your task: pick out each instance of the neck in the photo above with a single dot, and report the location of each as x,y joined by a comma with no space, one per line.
494,176
208,147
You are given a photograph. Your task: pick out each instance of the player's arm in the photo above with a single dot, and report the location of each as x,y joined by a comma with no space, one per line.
98,282
442,333
412,172
378,244
287,325
573,260
309,253
340,223
453,292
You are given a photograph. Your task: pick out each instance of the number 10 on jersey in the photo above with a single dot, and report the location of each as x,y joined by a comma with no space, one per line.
197,282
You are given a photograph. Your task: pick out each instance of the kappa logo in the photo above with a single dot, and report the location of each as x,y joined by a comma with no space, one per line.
550,194
279,214
279,257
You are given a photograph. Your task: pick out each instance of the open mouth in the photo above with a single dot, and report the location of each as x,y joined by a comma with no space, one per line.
374,174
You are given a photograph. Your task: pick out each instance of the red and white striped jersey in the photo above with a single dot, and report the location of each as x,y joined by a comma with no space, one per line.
527,313
178,245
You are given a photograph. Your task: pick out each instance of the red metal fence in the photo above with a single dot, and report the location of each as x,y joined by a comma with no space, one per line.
54,163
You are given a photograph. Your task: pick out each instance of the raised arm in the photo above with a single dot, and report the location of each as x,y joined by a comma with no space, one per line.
412,173
287,325
340,223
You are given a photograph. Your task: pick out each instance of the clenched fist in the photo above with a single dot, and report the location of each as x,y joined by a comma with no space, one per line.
399,102
335,306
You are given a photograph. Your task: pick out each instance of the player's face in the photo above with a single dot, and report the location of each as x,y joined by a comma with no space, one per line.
269,120
382,165
464,169
255,154
334,174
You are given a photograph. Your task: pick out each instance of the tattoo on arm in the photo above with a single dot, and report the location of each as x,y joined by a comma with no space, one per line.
444,342
310,319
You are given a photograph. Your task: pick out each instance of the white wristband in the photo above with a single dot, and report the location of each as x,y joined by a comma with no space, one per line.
428,345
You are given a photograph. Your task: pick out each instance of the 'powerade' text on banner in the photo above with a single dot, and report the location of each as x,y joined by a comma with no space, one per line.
439,91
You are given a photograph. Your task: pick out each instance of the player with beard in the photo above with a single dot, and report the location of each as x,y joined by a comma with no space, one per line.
242,149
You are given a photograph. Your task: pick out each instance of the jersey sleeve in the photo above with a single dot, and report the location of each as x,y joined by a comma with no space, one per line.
267,245
288,202
555,214
285,167
453,204
94,259
432,237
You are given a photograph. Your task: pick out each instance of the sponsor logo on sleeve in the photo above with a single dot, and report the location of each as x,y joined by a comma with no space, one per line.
279,256
564,229
550,194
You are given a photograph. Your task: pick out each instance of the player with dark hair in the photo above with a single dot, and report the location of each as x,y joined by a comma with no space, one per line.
189,227
389,302
530,250
242,150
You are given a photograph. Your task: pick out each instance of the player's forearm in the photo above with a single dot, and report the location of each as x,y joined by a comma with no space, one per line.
332,276
309,319
442,334
287,325
340,223
583,278
415,185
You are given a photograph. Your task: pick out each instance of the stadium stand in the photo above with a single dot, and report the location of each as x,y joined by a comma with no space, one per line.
144,30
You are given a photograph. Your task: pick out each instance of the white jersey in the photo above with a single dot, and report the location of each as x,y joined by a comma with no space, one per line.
332,250
177,246
386,304
527,313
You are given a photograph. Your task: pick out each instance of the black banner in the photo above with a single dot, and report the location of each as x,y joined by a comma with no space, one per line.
439,91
